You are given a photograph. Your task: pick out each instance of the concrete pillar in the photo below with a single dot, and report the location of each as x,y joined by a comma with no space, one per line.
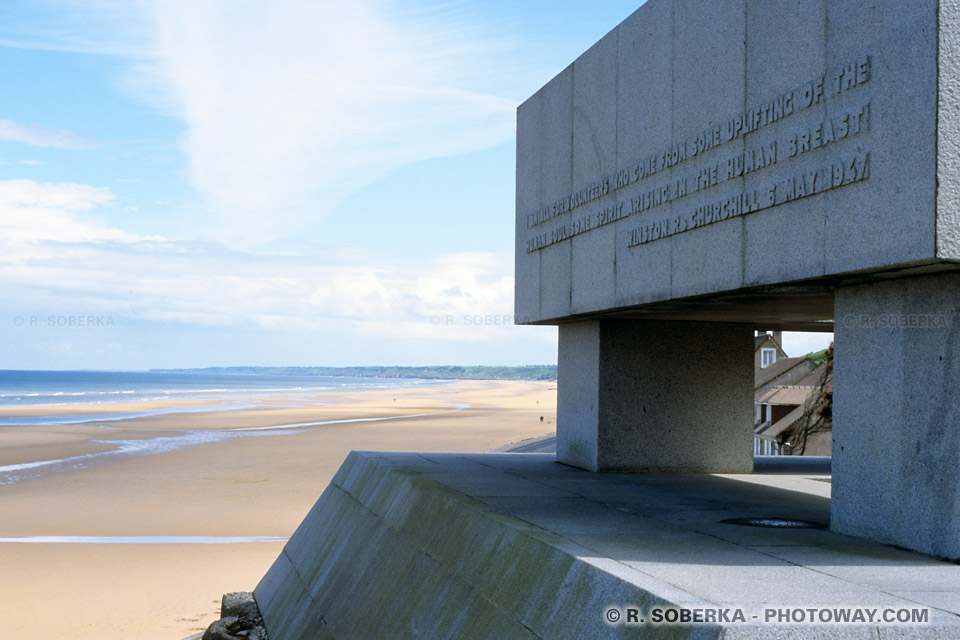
896,413
644,395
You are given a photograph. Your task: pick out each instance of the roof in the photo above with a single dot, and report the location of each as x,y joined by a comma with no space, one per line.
815,379
786,395
783,423
768,374
759,340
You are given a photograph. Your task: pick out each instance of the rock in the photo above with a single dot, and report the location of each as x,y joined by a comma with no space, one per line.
239,604
223,629
239,619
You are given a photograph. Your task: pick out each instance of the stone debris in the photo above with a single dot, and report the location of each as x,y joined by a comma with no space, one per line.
239,619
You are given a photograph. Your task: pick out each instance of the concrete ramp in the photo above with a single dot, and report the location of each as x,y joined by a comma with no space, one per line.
405,545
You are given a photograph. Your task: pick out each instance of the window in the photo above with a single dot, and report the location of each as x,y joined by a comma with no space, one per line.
767,357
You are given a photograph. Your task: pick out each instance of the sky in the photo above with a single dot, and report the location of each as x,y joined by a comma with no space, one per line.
188,183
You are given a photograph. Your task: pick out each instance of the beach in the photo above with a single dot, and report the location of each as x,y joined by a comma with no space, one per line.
135,526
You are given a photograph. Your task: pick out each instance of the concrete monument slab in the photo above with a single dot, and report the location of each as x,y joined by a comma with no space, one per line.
710,168
396,548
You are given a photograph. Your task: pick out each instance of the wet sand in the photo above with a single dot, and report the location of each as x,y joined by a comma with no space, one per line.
204,473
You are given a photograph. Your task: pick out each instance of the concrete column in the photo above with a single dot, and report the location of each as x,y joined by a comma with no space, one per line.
896,413
644,395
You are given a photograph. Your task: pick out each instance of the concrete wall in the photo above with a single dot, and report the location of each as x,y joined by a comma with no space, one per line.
948,132
596,142
896,414
388,553
636,395
764,163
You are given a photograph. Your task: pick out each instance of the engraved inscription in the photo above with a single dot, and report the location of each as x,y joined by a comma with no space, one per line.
830,130
581,197
801,185
834,127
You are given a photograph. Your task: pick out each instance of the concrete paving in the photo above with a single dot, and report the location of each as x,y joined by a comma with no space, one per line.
544,550
545,444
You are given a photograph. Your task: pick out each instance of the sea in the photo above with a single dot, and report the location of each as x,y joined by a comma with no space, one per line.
18,388
219,392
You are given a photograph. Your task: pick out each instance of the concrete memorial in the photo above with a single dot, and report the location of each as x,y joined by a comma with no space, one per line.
709,168
706,169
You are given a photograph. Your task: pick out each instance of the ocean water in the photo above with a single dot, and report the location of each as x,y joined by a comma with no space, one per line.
18,388
226,392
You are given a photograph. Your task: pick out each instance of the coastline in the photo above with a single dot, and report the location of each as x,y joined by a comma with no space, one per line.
134,549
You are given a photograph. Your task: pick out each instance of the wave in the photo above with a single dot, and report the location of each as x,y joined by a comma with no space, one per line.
44,388
126,449
80,418
36,394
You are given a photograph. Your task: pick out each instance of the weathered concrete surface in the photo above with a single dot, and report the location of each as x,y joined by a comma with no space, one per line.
755,162
896,415
405,545
948,132
647,395
688,105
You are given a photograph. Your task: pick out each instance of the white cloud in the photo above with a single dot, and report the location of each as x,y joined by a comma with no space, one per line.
39,136
56,258
32,212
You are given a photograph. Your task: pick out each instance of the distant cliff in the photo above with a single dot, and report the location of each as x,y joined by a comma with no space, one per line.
527,372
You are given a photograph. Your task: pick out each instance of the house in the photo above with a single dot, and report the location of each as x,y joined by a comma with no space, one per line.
767,349
785,393
772,367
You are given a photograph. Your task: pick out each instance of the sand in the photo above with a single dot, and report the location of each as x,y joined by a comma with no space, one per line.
257,486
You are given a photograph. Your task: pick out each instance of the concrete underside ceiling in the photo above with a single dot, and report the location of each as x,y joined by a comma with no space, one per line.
799,306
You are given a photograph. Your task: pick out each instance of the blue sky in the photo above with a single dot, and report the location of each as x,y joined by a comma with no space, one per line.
212,182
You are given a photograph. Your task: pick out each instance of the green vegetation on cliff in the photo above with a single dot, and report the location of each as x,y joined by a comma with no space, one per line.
818,357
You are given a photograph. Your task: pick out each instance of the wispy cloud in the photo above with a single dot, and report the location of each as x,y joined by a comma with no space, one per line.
292,105
40,136
97,27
